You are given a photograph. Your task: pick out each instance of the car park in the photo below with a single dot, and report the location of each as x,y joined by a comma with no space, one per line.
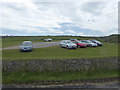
48,39
89,43
97,42
79,43
26,46
68,44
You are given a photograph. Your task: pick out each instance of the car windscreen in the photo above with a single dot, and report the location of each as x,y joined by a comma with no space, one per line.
81,42
26,44
97,41
70,42
84,41
89,41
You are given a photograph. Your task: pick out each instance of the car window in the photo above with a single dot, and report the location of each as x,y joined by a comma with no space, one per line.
97,41
89,41
63,41
83,41
80,41
74,42
27,43
69,42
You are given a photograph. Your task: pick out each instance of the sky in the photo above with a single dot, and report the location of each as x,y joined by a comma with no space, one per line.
59,18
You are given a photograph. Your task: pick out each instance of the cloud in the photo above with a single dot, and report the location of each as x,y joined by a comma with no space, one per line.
70,31
93,7
47,18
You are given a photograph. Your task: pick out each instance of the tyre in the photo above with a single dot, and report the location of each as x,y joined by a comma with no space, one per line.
67,47
90,45
78,46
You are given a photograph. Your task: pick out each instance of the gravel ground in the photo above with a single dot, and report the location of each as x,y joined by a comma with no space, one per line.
37,45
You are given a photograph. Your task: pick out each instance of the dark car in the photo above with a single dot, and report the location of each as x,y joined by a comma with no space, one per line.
97,42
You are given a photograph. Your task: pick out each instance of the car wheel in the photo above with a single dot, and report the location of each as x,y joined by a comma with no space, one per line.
90,45
78,46
67,47
61,46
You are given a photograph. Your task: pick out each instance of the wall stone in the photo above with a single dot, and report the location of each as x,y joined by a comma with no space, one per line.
60,65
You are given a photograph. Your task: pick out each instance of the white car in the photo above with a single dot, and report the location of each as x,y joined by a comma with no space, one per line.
68,44
48,39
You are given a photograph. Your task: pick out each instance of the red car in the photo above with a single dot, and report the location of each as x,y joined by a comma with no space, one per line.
79,44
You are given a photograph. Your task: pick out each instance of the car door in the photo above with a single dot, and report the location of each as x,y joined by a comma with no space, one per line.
75,42
62,43
65,44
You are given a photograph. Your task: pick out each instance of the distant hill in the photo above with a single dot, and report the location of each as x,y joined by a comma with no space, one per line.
114,38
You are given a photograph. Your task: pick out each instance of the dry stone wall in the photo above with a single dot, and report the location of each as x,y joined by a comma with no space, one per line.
60,65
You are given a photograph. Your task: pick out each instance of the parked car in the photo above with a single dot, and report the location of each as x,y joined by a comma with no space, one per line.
97,42
79,43
68,44
26,46
48,39
89,43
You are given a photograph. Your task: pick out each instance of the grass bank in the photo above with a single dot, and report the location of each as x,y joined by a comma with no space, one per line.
56,52
28,77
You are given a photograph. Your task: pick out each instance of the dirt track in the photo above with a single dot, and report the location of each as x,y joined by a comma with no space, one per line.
38,45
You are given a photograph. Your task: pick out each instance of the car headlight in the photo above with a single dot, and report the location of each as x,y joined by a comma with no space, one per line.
21,47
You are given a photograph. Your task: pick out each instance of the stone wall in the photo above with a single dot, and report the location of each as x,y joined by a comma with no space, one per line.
60,65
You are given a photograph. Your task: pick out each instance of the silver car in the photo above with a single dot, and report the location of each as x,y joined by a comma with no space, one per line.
68,44
26,46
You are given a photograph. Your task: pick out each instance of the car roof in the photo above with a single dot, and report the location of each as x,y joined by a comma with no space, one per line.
27,41
65,40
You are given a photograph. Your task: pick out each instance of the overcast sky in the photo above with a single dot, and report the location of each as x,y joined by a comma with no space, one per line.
59,18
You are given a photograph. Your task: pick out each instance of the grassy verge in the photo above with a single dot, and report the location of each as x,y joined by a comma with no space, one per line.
27,77
108,50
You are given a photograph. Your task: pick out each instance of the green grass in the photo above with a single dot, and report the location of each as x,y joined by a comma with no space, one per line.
108,50
55,52
13,41
27,77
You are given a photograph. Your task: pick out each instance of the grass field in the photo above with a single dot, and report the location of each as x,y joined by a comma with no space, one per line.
13,41
28,77
56,52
